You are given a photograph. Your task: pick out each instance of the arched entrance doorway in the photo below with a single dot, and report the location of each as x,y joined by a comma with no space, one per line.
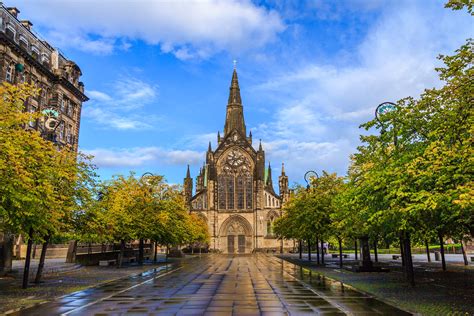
236,235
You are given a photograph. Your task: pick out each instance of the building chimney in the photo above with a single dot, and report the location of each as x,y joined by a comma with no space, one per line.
27,24
13,11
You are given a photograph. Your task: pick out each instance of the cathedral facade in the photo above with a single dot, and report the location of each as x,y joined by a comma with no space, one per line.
234,189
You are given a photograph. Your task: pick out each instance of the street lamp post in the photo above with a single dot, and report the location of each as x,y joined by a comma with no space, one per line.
309,177
405,249
366,264
141,245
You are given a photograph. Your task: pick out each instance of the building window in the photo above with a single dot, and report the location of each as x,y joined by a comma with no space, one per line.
61,131
69,136
64,104
248,192
9,73
230,192
270,226
74,111
32,123
10,32
35,52
70,109
240,192
221,192
45,60
23,42
235,192
23,77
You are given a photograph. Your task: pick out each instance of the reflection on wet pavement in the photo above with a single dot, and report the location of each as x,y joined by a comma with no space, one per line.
220,285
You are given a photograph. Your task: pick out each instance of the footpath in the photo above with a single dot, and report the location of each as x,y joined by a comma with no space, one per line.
59,279
436,292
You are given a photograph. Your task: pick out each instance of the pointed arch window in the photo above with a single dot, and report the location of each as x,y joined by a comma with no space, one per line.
270,226
235,184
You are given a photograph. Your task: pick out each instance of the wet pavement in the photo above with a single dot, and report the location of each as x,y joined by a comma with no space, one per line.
220,285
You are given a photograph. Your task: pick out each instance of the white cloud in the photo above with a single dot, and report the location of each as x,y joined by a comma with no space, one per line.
142,156
321,104
99,96
105,118
121,108
184,28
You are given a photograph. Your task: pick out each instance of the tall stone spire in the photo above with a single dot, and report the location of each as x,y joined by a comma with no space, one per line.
269,180
283,185
188,188
235,113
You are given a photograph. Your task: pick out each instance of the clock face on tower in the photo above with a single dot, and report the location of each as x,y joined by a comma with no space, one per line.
235,158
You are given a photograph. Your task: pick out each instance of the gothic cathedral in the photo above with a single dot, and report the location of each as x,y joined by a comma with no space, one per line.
234,189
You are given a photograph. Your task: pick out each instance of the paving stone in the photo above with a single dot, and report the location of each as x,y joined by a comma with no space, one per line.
221,285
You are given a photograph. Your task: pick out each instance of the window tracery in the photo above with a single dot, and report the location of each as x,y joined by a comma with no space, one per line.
235,183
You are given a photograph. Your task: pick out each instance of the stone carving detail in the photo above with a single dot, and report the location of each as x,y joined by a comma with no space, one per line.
236,229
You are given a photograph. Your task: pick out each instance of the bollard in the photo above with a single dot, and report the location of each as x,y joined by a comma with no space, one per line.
437,256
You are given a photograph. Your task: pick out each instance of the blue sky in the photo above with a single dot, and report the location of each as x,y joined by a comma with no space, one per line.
310,72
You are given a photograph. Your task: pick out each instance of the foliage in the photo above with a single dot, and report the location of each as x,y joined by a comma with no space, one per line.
308,214
146,208
41,185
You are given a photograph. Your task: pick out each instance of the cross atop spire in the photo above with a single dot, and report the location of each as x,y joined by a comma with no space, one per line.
235,113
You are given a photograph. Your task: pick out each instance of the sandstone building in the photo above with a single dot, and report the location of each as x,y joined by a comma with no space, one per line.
24,57
234,189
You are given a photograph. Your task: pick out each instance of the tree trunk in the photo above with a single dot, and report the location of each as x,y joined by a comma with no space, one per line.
300,248
121,254
39,272
317,250
376,256
441,246
155,256
71,252
33,254
365,253
409,261
402,254
26,271
140,251
18,243
309,250
464,253
427,251
322,251
355,248
7,252
340,252
167,252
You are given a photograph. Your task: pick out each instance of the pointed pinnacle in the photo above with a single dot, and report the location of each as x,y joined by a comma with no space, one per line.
188,173
282,168
209,148
260,146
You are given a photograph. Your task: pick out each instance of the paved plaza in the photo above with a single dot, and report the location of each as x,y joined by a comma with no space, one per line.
220,285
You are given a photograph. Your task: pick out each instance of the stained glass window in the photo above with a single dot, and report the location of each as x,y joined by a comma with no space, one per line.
248,192
240,192
221,192
230,192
